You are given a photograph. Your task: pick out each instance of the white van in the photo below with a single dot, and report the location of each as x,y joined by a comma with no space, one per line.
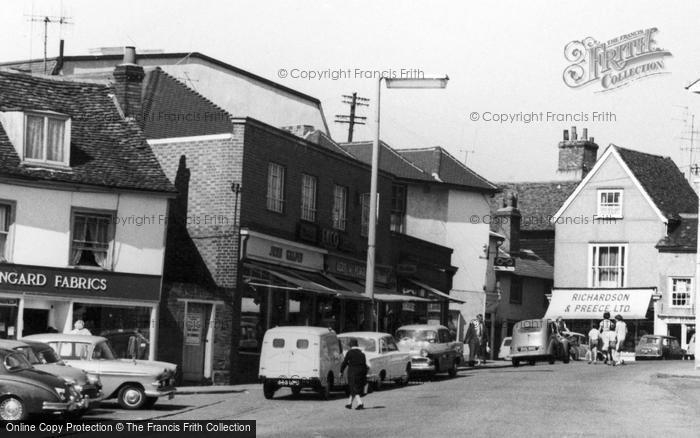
300,357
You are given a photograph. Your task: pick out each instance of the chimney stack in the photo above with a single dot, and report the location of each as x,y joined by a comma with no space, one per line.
127,84
576,156
508,223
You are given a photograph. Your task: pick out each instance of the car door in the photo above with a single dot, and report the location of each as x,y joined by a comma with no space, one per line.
382,361
396,360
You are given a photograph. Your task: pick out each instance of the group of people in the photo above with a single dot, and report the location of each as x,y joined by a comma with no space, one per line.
610,336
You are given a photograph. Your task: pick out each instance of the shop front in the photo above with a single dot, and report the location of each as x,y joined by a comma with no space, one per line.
36,299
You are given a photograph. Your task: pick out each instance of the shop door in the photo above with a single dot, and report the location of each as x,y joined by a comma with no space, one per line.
194,348
8,318
35,321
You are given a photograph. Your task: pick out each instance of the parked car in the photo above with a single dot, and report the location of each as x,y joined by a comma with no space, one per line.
504,351
42,357
134,383
658,347
386,362
128,344
25,390
536,340
300,357
431,347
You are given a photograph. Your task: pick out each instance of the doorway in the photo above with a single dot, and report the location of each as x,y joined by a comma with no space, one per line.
35,321
194,349
8,319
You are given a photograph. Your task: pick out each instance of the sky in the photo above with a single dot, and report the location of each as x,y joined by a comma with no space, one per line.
501,57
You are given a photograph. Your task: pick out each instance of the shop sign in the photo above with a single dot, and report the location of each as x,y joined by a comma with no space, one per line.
592,303
408,307
77,282
354,269
330,238
283,253
193,328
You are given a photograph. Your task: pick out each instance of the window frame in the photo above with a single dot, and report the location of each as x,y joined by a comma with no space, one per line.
275,204
309,195
339,220
46,116
600,206
398,208
6,255
111,233
594,269
672,292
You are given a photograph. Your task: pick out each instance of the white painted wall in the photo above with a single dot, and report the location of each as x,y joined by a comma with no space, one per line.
42,219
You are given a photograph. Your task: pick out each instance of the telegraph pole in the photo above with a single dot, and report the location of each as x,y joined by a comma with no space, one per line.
352,119
47,19
691,147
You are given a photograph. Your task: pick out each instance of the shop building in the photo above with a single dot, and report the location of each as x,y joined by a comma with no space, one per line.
83,209
622,245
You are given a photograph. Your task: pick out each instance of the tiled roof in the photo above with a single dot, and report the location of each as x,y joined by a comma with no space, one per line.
34,66
663,182
437,161
529,264
172,109
105,149
682,236
537,201
389,160
320,138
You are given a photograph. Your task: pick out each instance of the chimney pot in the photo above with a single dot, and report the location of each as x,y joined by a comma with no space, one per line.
566,135
584,134
129,55
573,133
592,140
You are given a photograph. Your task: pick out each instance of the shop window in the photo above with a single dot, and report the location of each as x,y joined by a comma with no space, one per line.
5,225
681,290
610,203
516,290
46,139
275,187
127,328
340,204
609,264
398,208
91,240
308,198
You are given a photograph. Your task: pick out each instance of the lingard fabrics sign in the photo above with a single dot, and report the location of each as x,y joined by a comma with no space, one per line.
592,303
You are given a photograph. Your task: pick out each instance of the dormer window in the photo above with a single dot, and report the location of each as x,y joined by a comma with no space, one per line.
46,138
610,203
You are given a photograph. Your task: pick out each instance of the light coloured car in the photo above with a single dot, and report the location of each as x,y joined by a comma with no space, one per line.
537,340
43,358
504,351
134,383
300,357
386,362
432,349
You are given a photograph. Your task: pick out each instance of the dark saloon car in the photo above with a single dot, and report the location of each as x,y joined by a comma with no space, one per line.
25,390
658,347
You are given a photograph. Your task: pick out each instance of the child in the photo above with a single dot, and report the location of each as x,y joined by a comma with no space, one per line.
593,339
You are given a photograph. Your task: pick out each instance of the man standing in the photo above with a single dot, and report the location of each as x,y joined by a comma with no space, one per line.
476,337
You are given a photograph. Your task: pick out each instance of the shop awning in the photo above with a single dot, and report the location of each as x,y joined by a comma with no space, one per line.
436,292
354,290
393,298
291,282
592,303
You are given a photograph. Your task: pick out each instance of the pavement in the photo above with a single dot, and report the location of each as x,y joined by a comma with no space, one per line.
684,369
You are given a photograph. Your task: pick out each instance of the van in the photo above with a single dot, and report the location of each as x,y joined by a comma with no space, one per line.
300,357
537,340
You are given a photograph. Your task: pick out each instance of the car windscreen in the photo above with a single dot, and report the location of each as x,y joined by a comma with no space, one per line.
364,344
29,354
103,351
649,340
417,335
16,362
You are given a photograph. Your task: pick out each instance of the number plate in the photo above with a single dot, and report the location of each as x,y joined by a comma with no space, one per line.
288,382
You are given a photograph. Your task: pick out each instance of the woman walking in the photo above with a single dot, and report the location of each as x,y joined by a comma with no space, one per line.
356,363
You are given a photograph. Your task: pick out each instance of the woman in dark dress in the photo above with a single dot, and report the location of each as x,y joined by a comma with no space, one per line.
356,363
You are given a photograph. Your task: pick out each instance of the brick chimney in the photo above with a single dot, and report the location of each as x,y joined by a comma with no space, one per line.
576,156
127,84
507,220
299,130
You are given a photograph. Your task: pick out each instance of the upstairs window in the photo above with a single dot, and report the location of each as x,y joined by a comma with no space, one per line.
275,187
681,292
398,208
308,198
609,264
92,238
46,139
364,201
340,204
5,223
610,203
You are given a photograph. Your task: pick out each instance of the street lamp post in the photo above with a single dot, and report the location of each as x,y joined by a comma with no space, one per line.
414,83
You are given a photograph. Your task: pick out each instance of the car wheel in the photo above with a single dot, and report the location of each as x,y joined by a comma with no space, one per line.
150,402
452,372
405,380
516,362
296,390
131,397
12,409
269,389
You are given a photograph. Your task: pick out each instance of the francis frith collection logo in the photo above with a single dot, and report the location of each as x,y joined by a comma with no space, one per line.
616,62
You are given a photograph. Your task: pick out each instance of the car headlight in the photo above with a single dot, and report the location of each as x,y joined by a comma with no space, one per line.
61,393
424,353
93,379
